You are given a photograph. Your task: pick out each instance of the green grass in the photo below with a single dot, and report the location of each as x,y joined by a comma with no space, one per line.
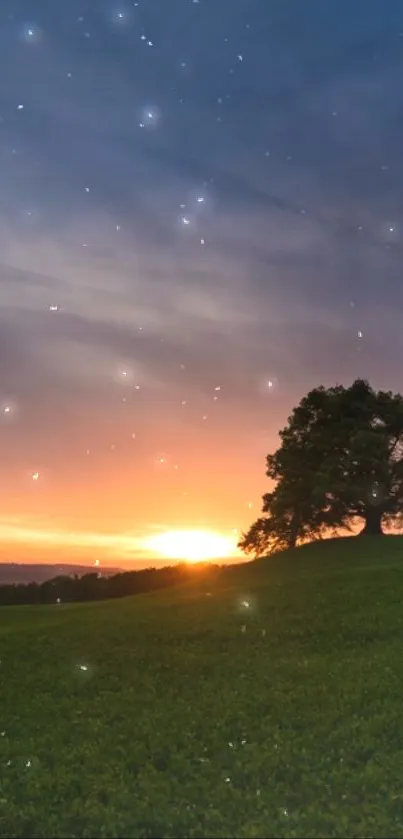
198,717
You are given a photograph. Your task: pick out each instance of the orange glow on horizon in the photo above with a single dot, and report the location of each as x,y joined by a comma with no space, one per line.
24,539
192,545
107,506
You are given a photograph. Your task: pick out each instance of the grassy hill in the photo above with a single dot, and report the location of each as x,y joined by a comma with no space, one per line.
261,700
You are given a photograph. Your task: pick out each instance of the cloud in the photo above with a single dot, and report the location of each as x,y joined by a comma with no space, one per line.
20,530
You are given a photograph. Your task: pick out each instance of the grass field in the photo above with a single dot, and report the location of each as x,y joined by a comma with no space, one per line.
200,716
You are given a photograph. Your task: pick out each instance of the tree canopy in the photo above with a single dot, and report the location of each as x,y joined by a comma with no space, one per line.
340,460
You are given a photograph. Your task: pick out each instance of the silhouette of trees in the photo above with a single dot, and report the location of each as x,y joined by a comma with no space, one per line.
340,459
94,586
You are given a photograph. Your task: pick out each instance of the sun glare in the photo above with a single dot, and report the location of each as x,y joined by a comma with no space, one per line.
192,545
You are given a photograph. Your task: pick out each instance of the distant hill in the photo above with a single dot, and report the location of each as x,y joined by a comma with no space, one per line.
13,572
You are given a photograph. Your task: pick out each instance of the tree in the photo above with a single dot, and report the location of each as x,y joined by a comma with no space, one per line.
340,459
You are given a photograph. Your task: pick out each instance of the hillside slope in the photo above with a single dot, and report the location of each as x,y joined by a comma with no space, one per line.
262,700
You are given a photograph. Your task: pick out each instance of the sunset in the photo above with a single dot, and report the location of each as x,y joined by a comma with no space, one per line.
164,307
201,419
124,547
193,545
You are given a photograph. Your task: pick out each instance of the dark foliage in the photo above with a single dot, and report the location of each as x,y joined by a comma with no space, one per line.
340,460
94,586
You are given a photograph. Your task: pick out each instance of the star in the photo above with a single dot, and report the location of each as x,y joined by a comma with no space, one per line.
150,117
31,33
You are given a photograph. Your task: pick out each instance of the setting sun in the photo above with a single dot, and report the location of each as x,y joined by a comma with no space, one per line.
192,545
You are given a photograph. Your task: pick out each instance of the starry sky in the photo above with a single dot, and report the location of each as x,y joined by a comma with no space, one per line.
200,220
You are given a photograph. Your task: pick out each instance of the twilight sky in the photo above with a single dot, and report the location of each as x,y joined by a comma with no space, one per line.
200,220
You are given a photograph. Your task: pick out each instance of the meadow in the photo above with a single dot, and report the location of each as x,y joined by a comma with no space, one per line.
261,700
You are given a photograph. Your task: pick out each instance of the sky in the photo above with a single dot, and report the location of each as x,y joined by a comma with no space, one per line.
200,221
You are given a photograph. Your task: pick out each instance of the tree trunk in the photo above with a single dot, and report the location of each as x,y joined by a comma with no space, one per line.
294,531
373,519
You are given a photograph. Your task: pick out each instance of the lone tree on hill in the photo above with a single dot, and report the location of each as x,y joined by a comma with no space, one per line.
340,459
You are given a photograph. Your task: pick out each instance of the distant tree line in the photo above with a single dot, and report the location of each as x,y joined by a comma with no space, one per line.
94,586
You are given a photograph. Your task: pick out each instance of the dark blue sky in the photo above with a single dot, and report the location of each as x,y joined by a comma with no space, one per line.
194,195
